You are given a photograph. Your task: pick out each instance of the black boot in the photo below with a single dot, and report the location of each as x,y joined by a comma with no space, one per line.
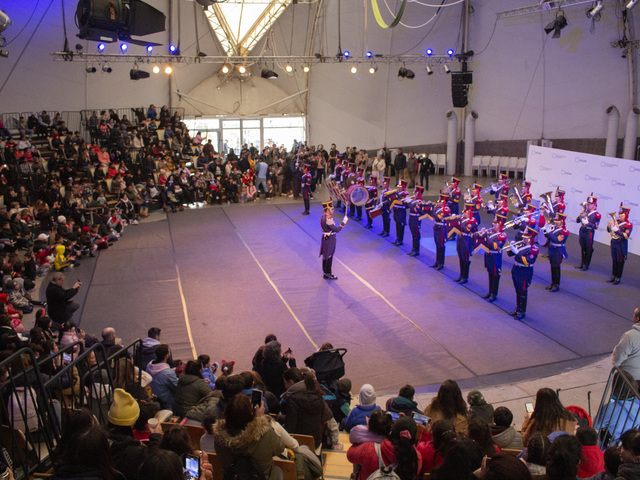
587,259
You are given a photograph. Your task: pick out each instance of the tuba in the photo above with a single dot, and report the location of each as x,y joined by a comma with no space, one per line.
613,223
546,206
516,198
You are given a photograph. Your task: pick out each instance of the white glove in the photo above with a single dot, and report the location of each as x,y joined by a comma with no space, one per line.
514,250
615,229
584,221
345,219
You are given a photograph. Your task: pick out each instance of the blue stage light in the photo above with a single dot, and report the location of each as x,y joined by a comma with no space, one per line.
101,47
450,52
429,51
123,48
173,49
149,48
369,54
346,54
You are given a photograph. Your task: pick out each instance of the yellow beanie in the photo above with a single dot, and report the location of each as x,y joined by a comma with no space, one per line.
124,410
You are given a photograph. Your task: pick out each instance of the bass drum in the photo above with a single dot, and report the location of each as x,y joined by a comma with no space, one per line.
358,195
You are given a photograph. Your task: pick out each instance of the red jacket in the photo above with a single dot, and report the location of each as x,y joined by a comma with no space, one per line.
365,455
592,461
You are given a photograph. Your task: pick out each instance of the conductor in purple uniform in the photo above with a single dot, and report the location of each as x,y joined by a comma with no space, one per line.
328,243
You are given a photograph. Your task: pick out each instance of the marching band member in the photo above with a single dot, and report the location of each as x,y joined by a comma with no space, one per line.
526,188
525,256
530,221
620,230
502,187
502,207
400,212
328,243
373,200
464,243
360,181
439,231
558,202
454,199
496,239
557,235
337,176
415,210
590,220
306,188
476,201
386,209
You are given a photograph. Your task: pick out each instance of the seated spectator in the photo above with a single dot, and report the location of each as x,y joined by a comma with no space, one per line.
462,459
207,441
193,395
364,409
208,371
165,380
63,261
404,402
109,341
399,448
274,365
161,464
9,339
478,407
592,457
537,453
448,404
377,429
342,404
503,467
548,416
480,433
245,431
433,451
230,386
504,433
70,335
612,463
564,458
83,450
258,357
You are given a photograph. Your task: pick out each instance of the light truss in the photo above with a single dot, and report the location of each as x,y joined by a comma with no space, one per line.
544,6
98,58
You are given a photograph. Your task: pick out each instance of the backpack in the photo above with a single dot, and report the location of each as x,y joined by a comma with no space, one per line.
244,467
383,473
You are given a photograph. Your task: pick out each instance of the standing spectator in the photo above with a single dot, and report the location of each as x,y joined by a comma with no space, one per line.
59,302
424,169
261,178
626,353
400,165
377,169
412,169
274,365
364,409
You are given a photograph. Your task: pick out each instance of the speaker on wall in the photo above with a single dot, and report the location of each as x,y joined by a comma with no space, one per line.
459,95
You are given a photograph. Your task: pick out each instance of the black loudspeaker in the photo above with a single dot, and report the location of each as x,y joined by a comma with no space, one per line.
461,78
459,95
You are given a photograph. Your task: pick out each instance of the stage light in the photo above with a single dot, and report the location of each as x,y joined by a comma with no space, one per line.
447,70
113,20
631,4
91,69
78,48
224,69
135,74
406,73
168,70
595,11
173,50
106,69
101,47
450,52
557,25
149,48
373,70
269,74
369,54
346,54
155,69
288,68
429,52
5,21
429,70
354,69
242,69
123,48
306,69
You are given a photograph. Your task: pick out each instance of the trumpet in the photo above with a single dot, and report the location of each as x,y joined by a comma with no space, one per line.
447,188
511,245
495,186
516,198
516,220
490,206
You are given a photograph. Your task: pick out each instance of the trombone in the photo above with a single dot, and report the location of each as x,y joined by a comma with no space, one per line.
495,186
516,220
512,245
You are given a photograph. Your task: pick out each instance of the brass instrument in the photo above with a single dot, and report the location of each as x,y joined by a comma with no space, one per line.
516,220
516,198
490,206
585,210
495,186
613,223
447,188
546,206
468,197
511,245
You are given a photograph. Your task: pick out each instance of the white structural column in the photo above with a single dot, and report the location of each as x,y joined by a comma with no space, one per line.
469,141
452,142
613,123
629,151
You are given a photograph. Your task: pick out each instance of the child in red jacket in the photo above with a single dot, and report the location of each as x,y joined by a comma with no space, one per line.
592,457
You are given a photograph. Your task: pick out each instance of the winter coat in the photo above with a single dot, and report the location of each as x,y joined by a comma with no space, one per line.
529,427
149,350
460,421
303,412
628,471
271,374
507,437
485,412
61,261
402,405
359,415
430,457
592,461
258,439
164,383
190,392
365,456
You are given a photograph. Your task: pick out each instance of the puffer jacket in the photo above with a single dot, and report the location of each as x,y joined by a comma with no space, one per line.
303,411
191,389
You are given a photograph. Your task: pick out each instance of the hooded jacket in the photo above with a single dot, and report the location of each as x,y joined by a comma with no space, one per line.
191,389
164,383
257,439
60,261
507,437
149,350
359,415
303,411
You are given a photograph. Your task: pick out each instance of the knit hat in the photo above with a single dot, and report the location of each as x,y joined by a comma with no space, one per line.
61,219
43,237
367,395
475,398
124,410
344,385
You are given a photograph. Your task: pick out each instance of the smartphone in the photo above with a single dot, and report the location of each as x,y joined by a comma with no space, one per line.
394,416
256,398
419,418
66,357
528,407
191,467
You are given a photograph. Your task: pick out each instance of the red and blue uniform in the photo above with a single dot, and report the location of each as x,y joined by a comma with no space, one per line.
522,274
589,224
493,261
464,245
441,212
306,190
557,236
619,244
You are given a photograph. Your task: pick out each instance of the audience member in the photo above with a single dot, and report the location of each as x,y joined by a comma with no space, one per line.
592,457
629,456
363,410
165,380
193,395
537,453
404,402
612,463
480,432
59,304
462,459
274,365
149,345
564,458
377,429
448,404
504,433
478,406
502,467
433,451
548,416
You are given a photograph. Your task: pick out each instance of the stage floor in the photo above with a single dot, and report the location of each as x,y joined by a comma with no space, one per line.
218,279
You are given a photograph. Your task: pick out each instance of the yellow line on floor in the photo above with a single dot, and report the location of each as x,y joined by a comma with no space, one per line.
266,275
186,314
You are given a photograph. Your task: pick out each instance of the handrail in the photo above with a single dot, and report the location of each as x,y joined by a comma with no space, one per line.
619,408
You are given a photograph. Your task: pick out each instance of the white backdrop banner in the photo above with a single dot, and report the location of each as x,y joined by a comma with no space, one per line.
612,180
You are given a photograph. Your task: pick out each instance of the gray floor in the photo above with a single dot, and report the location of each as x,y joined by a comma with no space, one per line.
218,279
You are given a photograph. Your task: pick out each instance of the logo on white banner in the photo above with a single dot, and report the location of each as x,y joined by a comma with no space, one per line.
564,172
575,190
592,179
603,197
634,169
545,169
605,164
554,185
616,183
628,202
557,155
580,160
536,152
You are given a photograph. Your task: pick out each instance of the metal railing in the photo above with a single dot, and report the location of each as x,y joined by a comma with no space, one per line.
38,391
619,408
